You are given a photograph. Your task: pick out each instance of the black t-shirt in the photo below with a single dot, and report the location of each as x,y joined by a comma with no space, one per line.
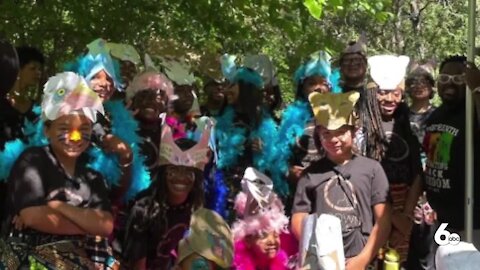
37,177
154,230
444,144
350,198
11,122
402,158
305,151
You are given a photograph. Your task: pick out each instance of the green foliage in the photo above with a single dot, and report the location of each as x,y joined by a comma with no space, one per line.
201,30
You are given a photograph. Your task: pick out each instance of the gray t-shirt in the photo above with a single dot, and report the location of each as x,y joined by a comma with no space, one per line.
350,197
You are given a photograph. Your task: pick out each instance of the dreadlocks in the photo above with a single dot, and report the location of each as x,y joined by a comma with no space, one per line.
368,110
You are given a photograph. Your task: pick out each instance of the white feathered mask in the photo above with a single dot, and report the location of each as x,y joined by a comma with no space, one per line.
66,93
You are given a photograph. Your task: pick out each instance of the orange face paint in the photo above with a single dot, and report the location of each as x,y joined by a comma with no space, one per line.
75,135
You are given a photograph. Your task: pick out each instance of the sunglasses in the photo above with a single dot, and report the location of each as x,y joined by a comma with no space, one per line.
455,79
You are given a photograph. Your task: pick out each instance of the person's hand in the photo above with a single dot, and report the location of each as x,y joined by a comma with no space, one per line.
358,262
295,172
18,223
54,204
472,76
112,144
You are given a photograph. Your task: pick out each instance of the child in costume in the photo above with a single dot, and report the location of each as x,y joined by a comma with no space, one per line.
351,187
58,207
116,132
184,107
401,160
245,132
161,214
296,128
128,57
208,244
261,230
149,94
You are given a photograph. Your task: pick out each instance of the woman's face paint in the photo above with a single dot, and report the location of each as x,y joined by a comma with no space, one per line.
70,135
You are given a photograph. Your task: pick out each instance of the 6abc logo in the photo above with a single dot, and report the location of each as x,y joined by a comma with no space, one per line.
443,237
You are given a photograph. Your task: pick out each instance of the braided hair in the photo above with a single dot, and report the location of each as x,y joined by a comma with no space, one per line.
370,117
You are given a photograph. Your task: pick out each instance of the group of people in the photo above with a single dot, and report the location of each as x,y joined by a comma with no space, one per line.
127,164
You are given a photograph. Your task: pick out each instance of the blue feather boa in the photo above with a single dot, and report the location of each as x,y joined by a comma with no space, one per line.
124,126
230,139
294,119
231,145
216,191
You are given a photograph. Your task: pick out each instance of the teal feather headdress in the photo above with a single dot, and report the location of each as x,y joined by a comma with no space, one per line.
89,65
319,64
236,74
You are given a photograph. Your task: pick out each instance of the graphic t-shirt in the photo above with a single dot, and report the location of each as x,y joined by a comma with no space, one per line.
305,151
402,158
154,234
346,191
444,144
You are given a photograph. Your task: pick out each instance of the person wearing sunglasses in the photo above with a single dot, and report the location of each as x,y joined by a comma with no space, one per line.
419,87
445,146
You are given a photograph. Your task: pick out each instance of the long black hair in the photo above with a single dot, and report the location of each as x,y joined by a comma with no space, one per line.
250,102
9,67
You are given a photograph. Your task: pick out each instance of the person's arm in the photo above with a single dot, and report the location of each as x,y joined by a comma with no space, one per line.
113,144
47,220
378,237
413,195
301,206
297,224
93,221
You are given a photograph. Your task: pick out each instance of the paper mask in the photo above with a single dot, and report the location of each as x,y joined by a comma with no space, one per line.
195,157
388,71
210,237
332,111
66,93
258,188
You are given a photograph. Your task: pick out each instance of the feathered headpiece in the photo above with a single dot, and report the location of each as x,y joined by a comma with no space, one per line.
235,74
89,65
258,207
210,237
124,52
318,64
67,92
388,71
196,157
178,71
263,66
333,110
149,80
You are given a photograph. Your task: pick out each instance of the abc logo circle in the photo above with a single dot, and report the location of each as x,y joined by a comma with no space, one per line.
454,239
